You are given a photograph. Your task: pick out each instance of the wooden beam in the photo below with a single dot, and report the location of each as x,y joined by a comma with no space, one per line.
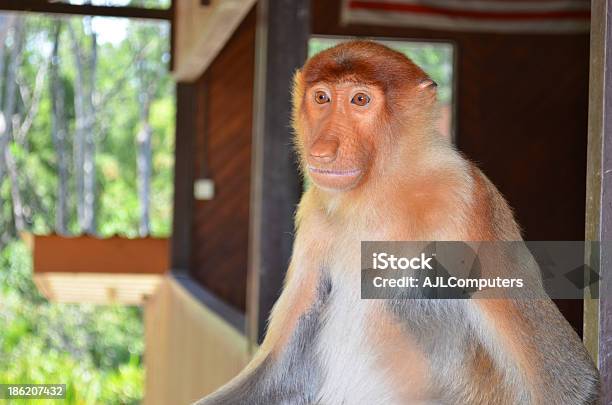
43,6
283,29
186,110
87,254
202,31
101,271
598,313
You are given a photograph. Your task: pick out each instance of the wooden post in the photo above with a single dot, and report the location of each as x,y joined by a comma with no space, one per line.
598,313
45,6
180,257
283,28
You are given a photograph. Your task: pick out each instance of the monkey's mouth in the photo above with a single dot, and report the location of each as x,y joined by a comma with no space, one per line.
336,173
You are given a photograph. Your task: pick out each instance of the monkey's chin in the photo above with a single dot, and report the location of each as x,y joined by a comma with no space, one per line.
335,180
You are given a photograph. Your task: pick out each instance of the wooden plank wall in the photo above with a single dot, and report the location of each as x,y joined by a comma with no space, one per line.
190,350
223,152
522,117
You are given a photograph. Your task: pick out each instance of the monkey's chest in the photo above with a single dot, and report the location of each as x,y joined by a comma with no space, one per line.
347,363
354,369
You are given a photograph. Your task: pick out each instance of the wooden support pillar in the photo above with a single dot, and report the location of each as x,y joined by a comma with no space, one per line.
186,109
283,28
598,313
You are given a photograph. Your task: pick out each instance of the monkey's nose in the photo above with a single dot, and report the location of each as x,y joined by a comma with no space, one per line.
324,150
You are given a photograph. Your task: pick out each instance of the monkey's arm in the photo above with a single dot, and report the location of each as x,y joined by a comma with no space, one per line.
549,363
529,331
283,369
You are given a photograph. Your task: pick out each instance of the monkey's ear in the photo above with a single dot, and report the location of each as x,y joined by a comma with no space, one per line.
298,86
297,94
427,83
297,79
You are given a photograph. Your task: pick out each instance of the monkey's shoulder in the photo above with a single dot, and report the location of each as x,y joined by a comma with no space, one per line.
453,201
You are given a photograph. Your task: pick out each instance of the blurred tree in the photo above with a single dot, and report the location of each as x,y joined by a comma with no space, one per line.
86,146
149,72
60,133
96,351
85,54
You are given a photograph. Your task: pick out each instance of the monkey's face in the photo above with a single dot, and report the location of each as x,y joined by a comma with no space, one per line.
339,123
350,104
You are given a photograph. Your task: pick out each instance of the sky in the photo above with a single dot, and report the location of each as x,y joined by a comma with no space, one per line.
109,30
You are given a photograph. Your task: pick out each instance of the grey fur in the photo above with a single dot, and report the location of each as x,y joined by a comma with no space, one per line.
450,337
292,379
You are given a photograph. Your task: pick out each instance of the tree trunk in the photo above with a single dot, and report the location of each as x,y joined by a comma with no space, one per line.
89,157
18,213
6,224
144,166
84,137
60,134
6,22
7,162
11,89
78,145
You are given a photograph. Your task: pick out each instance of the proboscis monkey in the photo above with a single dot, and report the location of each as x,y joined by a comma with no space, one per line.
364,121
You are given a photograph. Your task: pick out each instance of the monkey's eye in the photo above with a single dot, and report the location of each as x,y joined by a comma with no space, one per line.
360,99
321,97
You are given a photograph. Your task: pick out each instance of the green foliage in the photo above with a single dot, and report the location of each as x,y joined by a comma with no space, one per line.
121,66
96,350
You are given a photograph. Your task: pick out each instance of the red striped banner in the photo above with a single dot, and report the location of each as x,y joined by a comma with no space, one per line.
520,16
